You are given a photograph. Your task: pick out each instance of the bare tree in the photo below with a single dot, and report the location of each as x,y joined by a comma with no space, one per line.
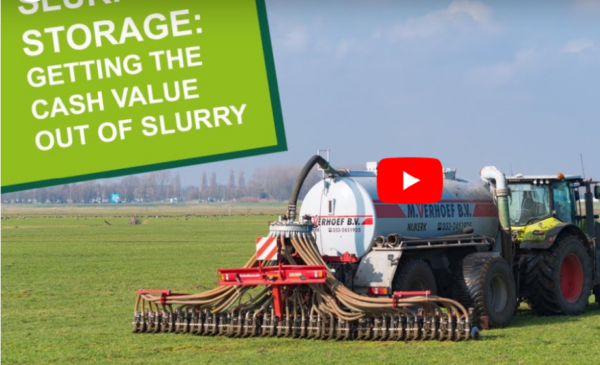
128,188
231,185
231,180
241,185
163,179
256,185
190,193
213,180
87,192
177,187
213,189
203,185
149,187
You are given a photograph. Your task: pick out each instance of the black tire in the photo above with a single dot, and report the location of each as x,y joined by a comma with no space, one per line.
596,291
485,283
544,289
414,275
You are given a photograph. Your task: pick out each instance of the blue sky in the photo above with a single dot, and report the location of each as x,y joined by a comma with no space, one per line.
472,83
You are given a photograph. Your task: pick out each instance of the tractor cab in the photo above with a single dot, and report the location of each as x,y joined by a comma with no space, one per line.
537,198
537,204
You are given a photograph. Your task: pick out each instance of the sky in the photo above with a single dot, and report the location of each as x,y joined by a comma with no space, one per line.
472,83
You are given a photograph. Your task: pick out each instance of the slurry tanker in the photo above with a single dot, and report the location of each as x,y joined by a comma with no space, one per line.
348,266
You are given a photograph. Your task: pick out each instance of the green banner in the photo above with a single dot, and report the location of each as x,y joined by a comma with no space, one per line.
95,89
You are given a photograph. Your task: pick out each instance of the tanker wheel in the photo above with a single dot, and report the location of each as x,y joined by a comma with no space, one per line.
559,280
485,283
414,275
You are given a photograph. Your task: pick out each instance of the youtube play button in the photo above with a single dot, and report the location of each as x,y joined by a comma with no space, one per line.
410,180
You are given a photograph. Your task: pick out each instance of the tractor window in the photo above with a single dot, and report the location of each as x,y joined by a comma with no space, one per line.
563,203
528,203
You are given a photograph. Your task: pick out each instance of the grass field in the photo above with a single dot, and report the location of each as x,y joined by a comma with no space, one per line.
68,289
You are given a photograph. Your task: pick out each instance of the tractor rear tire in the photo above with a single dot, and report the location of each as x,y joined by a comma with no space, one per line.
414,275
485,283
559,280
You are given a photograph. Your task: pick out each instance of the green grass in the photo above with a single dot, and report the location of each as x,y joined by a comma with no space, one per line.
68,289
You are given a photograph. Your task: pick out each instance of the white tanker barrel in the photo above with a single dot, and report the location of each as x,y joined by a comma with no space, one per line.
349,215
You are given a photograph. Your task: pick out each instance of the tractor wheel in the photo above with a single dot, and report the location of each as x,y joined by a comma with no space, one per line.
414,275
485,283
559,280
597,293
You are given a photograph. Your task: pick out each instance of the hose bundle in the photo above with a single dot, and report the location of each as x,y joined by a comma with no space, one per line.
329,310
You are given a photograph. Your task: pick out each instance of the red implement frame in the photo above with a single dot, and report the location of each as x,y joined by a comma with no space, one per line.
275,276
345,258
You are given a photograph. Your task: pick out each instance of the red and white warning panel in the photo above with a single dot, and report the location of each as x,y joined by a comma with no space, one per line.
266,248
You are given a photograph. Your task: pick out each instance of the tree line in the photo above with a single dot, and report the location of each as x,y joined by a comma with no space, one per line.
273,183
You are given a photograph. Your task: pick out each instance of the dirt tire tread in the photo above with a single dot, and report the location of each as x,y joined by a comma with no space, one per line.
469,289
540,278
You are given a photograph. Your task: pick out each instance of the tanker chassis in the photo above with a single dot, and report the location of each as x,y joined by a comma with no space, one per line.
353,267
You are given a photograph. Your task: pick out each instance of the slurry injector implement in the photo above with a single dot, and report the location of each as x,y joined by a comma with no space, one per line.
353,267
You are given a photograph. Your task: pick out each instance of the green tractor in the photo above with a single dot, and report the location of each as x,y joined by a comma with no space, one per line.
552,237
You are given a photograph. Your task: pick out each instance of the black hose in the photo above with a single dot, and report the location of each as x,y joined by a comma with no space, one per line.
316,159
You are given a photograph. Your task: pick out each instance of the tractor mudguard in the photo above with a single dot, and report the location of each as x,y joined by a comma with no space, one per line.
549,238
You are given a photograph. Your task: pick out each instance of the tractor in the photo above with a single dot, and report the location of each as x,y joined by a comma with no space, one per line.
555,242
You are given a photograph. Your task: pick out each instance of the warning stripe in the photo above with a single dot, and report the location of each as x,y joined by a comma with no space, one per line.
389,211
485,210
266,248
269,252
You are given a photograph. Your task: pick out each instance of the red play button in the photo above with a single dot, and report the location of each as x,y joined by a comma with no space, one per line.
410,180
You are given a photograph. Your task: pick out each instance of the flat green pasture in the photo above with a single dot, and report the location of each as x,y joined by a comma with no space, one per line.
69,282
